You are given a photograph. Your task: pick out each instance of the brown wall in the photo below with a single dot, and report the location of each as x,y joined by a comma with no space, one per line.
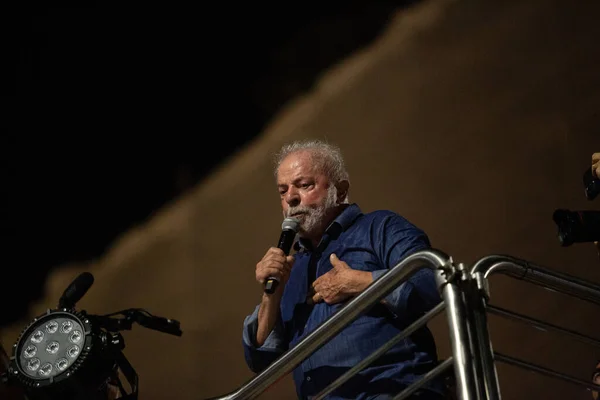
473,119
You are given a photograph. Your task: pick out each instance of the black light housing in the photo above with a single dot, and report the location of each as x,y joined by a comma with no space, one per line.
71,355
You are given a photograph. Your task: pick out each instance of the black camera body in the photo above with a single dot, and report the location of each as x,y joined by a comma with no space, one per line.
580,226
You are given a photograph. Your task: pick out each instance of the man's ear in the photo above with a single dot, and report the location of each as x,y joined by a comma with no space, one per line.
342,190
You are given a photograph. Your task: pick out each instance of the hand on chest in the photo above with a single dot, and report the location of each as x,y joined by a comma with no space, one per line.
319,278
360,259
336,280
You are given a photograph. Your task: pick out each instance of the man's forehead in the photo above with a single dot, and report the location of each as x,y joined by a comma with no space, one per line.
298,157
295,163
296,166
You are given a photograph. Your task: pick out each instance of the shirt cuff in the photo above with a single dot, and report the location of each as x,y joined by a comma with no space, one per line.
275,340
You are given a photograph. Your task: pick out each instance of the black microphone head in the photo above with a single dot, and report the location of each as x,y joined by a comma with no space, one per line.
76,290
289,229
290,224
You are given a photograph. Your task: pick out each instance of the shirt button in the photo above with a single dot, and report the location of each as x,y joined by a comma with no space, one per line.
308,378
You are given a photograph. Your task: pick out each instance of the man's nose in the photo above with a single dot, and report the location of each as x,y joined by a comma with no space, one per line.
292,198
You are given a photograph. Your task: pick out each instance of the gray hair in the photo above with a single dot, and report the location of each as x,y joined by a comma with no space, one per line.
326,158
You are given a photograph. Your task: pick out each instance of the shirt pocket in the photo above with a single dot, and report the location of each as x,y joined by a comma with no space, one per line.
362,259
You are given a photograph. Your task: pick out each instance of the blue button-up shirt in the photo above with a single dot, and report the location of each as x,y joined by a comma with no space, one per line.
373,242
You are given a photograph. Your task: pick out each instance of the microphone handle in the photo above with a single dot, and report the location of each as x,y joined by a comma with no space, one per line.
271,285
285,243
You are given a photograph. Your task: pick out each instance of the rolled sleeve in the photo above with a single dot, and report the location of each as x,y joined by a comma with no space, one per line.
259,358
397,239
397,300
414,297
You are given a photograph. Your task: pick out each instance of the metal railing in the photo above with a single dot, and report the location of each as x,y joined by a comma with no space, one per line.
535,274
434,259
465,297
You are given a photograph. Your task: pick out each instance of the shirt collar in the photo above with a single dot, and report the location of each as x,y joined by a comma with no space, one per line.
341,223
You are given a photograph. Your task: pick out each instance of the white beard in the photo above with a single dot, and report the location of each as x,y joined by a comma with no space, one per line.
312,217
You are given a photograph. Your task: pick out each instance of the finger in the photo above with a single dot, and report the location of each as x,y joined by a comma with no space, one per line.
264,278
274,252
317,298
595,158
596,170
316,285
336,262
289,260
279,264
269,273
315,288
268,270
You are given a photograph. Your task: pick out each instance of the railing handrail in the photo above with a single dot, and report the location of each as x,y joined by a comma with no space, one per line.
429,258
544,371
533,273
542,325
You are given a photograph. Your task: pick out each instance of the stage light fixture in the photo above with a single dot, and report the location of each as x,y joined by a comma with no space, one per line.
71,355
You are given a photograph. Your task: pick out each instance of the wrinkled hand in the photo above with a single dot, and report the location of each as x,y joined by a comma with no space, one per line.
274,264
339,284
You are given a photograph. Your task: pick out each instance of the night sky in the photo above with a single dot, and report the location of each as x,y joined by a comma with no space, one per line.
116,109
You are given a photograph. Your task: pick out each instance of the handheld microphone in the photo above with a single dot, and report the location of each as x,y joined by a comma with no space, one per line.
289,228
76,290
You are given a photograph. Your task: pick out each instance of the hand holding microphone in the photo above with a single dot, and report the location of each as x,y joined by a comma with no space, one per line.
276,265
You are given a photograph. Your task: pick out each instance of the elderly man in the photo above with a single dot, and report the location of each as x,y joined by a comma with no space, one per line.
340,251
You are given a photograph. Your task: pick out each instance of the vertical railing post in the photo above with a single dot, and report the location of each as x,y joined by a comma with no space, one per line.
448,281
475,293
466,285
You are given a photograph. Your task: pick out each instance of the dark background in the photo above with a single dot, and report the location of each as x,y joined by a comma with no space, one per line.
115,109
